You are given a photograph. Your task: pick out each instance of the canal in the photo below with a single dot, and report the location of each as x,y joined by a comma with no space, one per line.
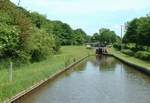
96,80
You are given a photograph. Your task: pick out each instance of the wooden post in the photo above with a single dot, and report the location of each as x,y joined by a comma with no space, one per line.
11,71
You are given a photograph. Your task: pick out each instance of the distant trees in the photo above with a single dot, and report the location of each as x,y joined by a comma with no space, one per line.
79,36
61,31
105,36
37,19
95,37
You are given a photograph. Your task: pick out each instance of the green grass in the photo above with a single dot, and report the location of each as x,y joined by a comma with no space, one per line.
130,59
29,75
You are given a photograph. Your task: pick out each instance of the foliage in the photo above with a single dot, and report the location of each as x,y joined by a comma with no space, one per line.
95,37
138,32
41,44
88,39
37,19
117,46
64,32
128,52
131,34
79,36
29,36
61,31
8,40
105,36
143,31
131,59
142,55
15,30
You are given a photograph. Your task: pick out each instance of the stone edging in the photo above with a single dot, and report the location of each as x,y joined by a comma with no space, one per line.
19,95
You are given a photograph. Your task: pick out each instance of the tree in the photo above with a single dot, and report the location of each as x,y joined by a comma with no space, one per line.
131,35
88,39
79,36
15,30
143,31
64,32
107,36
38,19
41,45
138,32
9,40
95,37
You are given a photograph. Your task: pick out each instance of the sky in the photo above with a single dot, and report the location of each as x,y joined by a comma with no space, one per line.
90,15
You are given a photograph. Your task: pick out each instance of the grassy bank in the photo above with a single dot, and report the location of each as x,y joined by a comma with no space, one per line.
29,75
130,59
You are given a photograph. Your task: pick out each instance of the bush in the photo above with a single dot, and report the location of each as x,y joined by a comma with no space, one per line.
128,52
41,45
143,55
117,46
9,40
134,49
57,45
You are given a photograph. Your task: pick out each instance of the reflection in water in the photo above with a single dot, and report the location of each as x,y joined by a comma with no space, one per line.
105,63
97,80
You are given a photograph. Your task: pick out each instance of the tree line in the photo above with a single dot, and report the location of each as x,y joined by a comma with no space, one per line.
29,36
138,32
104,36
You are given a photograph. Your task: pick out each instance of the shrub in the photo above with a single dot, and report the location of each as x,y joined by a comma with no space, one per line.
57,45
143,55
117,46
9,40
134,49
41,45
128,52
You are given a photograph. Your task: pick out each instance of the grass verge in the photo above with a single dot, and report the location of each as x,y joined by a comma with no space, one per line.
29,75
133,60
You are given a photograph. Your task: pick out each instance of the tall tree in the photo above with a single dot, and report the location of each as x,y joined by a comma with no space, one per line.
143,31
131,35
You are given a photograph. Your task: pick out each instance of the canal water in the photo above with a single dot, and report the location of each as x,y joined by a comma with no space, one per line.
96,80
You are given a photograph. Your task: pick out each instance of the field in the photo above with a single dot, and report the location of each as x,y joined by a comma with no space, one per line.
29,75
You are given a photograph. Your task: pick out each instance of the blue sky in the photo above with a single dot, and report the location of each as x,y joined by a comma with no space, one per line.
90,15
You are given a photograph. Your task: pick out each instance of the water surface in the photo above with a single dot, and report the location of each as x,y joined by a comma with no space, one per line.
96,80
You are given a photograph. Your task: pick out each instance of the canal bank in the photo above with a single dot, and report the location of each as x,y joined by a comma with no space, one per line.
140,65
42,82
